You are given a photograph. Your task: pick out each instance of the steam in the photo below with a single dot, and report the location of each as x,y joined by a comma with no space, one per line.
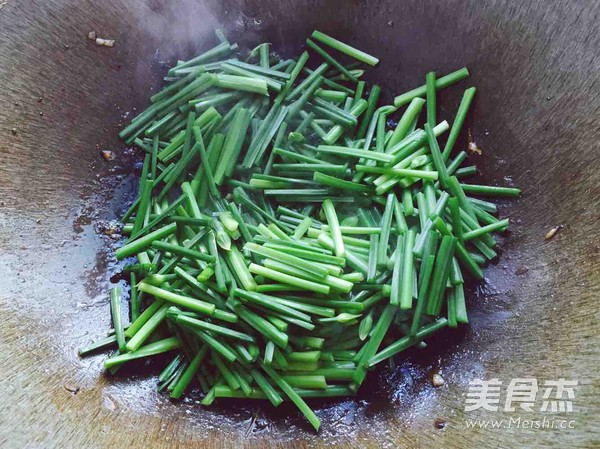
177,29
164,31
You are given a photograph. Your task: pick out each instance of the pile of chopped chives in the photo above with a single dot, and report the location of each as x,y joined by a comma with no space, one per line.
285,239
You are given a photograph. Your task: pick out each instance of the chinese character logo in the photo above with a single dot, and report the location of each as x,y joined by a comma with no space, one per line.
521,393
561,388
483,394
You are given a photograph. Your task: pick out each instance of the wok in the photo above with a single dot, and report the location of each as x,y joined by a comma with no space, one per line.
536,65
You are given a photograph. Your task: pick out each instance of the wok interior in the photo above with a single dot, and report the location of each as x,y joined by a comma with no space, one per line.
535,66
